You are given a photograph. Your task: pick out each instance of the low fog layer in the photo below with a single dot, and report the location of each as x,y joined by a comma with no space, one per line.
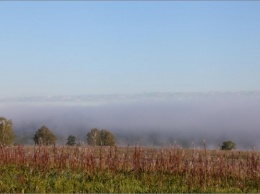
185,120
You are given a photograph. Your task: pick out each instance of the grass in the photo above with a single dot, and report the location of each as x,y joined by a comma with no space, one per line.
51,169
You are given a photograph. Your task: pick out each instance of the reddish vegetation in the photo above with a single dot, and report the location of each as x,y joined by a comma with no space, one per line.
203,168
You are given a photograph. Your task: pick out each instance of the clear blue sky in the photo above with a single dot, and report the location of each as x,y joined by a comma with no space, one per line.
74,48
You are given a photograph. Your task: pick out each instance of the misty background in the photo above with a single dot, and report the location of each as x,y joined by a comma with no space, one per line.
152,119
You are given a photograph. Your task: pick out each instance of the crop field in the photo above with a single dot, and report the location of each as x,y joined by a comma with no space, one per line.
55,169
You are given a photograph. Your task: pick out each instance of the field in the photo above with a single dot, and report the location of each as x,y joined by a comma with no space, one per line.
54,169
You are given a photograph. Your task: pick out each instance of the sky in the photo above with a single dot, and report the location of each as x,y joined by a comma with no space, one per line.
127,47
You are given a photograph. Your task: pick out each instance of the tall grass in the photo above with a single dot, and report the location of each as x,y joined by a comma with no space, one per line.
127,169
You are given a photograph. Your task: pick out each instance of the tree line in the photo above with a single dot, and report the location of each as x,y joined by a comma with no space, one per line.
44,136
95,137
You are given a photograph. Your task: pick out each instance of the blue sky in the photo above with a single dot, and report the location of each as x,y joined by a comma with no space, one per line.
76,48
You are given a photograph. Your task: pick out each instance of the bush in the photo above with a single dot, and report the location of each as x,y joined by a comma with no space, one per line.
71,141
228,145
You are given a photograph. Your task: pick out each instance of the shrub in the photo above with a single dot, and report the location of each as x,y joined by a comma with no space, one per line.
71,141
228,145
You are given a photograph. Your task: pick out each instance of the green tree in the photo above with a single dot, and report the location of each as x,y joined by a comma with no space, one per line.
93,137
228,145
44,136
102,137
71,141
107,138
6,133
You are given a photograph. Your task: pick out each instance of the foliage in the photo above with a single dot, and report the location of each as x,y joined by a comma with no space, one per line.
106,138
102,137
93,137
44,137
228,145
71,141
6,133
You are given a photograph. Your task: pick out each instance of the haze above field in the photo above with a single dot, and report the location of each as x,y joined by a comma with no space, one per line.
146,119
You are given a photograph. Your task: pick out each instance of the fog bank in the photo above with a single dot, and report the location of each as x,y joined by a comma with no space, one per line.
186,120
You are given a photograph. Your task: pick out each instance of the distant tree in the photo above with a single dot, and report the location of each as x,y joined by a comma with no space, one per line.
44,137
71,141
93,137
228,145
6,133
107,138
98,137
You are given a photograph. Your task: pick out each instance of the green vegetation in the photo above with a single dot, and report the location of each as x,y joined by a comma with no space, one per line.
6,133
228,145
99,169
102,137
106,138
71,141
44,137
